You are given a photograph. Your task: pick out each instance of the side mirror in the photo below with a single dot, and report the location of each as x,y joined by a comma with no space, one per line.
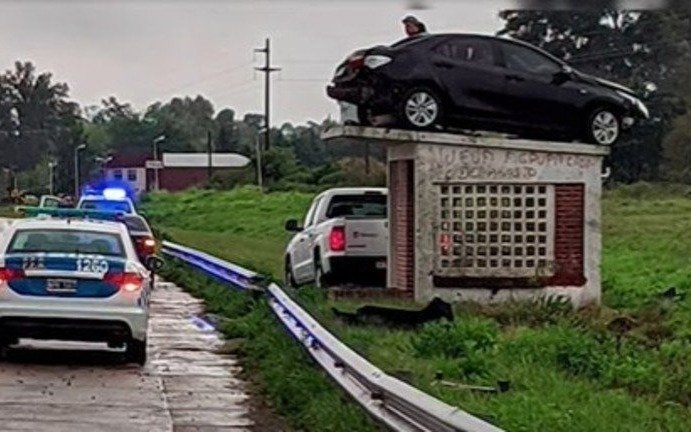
293,226
154,263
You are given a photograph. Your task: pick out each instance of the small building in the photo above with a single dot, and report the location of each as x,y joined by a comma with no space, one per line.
176,171
129,168
490,219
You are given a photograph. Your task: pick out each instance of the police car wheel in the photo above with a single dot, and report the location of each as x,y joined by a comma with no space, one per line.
136,351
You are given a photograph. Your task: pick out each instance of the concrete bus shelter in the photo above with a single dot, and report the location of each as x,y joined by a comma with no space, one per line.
489,219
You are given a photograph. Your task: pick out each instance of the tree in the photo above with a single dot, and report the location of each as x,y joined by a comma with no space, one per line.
37,119
635,48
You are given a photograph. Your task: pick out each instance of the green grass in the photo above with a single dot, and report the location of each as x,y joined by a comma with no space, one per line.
7,212
568,370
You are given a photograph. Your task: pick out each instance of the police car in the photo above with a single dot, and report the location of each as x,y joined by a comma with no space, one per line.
109,199
71,275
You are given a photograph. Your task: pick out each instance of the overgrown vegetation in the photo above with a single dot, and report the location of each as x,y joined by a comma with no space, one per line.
621,367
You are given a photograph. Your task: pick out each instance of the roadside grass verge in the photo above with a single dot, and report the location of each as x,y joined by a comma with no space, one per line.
622,367
7,212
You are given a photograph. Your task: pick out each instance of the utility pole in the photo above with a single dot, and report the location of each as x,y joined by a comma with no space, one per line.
209,151
77,149
267,70
51,180
260,180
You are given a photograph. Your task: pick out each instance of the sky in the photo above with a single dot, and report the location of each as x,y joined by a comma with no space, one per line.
152,50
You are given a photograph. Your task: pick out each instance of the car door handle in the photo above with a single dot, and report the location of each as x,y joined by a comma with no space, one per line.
516,78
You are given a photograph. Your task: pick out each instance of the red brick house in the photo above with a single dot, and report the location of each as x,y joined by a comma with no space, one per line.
177,171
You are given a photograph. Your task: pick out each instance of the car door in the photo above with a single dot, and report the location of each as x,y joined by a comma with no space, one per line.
303,262
533,89
468,70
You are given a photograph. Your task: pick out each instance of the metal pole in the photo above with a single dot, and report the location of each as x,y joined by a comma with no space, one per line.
259,163
156,168
267,95
51,167
268,70
76,172
209,151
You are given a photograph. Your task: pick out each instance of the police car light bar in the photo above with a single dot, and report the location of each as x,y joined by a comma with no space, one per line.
114,194
70,213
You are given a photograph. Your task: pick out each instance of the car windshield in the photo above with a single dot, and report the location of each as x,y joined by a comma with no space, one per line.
66,241
136,224
358,206
106,205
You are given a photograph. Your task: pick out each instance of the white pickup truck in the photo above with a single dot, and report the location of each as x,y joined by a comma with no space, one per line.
344,239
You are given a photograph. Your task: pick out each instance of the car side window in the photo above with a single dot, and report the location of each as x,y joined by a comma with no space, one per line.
312,214
467,50
522,59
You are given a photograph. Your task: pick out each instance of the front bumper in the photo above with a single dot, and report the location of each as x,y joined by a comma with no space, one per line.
91,323
354,94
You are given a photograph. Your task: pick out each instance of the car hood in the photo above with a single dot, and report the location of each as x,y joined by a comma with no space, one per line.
606,83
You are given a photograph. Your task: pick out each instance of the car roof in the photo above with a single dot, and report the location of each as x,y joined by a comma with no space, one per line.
436,36
69,224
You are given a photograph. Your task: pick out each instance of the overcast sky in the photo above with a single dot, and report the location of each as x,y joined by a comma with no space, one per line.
144,51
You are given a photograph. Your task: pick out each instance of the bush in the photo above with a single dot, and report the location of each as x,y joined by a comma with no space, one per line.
457,339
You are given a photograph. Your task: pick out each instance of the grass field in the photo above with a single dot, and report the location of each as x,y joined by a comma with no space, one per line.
7,212
569,371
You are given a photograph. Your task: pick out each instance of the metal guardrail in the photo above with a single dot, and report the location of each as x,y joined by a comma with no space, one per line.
392,402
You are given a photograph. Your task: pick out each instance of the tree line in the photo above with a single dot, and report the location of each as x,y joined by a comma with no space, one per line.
649,51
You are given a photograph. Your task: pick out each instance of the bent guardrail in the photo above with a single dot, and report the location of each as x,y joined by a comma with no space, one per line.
392,402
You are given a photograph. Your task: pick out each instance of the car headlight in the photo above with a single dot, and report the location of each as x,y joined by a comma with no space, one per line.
635,102
375,61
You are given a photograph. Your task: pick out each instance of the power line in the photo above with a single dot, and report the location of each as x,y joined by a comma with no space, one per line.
201,79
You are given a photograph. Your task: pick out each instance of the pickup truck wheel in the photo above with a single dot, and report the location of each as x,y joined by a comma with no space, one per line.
136,351
320,279
288,278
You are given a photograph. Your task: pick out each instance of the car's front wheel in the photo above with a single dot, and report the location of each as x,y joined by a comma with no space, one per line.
603,127
420,108
289,279
136,351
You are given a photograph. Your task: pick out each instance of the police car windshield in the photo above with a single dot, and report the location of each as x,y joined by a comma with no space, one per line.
66,241
106,205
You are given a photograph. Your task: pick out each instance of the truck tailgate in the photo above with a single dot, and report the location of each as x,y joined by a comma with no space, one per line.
366,237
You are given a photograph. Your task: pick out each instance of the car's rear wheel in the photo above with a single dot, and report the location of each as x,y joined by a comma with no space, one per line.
136,351
603,127
420,108
321,280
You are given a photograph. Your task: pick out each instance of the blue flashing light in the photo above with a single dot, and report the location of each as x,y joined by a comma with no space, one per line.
113,190
114,194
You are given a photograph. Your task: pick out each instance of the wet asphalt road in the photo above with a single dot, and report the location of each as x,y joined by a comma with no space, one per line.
187,384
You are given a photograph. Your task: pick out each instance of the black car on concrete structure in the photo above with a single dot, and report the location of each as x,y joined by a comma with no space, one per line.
476,81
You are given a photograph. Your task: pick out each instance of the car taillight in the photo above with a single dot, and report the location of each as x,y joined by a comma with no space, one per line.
337,239
356,62
129,282
8,275
145,246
